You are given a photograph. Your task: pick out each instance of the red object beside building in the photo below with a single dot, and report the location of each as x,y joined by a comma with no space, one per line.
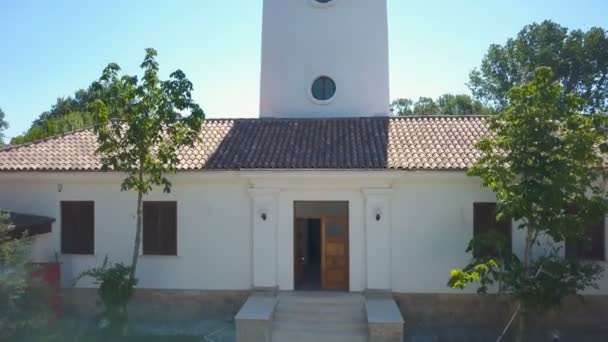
49,273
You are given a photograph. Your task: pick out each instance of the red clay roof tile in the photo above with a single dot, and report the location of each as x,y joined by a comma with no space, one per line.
404,143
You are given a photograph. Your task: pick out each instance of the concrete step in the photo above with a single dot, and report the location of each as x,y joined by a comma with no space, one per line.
325,317
319,308
321,298
322,301
319,317
320,326
315,336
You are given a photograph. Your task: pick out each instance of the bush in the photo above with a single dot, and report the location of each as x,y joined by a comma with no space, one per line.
116,289
23,298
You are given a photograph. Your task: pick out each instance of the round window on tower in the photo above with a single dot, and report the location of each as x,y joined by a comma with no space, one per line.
322,3
323,90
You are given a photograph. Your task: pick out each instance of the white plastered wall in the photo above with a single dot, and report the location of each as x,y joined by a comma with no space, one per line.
346,41
426,223
214,242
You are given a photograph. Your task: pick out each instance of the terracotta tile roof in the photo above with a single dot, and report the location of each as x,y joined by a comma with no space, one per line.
408,143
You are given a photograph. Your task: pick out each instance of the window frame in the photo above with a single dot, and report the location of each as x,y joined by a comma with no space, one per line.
157,250
318,4
71,247
311,94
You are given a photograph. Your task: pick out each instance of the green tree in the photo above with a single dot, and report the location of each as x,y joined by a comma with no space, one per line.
55,125
446,104
402,107
66,115
3,126
449,104
154,120
578,59
541,162
425,106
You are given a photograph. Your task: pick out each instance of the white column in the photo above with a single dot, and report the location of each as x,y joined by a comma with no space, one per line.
264,237
378,238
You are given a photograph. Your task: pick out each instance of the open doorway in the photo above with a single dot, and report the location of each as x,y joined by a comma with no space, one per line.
321,245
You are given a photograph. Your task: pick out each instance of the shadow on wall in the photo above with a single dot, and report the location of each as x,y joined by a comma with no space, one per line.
332,143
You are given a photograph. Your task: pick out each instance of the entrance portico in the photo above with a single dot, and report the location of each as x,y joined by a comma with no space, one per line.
273,237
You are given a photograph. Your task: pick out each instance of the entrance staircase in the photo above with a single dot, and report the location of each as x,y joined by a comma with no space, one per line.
319,317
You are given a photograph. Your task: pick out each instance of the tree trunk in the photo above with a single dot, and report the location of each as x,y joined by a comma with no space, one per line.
521,320
137,231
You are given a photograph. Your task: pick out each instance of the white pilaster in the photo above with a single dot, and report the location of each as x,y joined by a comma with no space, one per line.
264,237
378,238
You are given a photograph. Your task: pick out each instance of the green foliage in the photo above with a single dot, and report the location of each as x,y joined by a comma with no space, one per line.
66,115
446,104
541,160
155,119
540,286
116,288
544,160
22,298
578,59
54,126
402,107
3,126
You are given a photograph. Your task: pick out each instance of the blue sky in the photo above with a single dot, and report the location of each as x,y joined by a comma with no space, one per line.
50,49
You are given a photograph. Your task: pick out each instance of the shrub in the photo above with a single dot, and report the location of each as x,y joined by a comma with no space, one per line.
23,298
116,289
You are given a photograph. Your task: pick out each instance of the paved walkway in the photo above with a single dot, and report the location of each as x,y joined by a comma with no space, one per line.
210,331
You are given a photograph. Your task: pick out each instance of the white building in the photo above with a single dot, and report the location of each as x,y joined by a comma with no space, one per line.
323,191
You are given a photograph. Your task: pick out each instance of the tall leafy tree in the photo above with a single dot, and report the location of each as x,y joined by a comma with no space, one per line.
578,59
402,107
446,104
449,104
3,126
141,125
543,161
67,114
425,106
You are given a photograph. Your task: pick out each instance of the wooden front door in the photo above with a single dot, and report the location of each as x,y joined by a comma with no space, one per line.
299,249
334,253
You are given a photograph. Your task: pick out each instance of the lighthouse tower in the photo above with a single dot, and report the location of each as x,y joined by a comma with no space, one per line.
324,58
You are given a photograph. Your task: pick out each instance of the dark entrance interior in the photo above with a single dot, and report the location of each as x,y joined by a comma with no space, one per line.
310,230
320,245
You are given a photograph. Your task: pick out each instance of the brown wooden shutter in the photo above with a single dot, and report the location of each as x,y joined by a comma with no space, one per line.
484,221
160,228
594,246
77,227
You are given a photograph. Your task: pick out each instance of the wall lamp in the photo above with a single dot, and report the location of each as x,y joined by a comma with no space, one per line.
378,215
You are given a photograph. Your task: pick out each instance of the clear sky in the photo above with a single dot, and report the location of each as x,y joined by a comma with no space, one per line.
50,49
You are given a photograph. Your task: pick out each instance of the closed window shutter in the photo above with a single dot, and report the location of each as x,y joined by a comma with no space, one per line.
593,245
160,228
484,221
77,227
